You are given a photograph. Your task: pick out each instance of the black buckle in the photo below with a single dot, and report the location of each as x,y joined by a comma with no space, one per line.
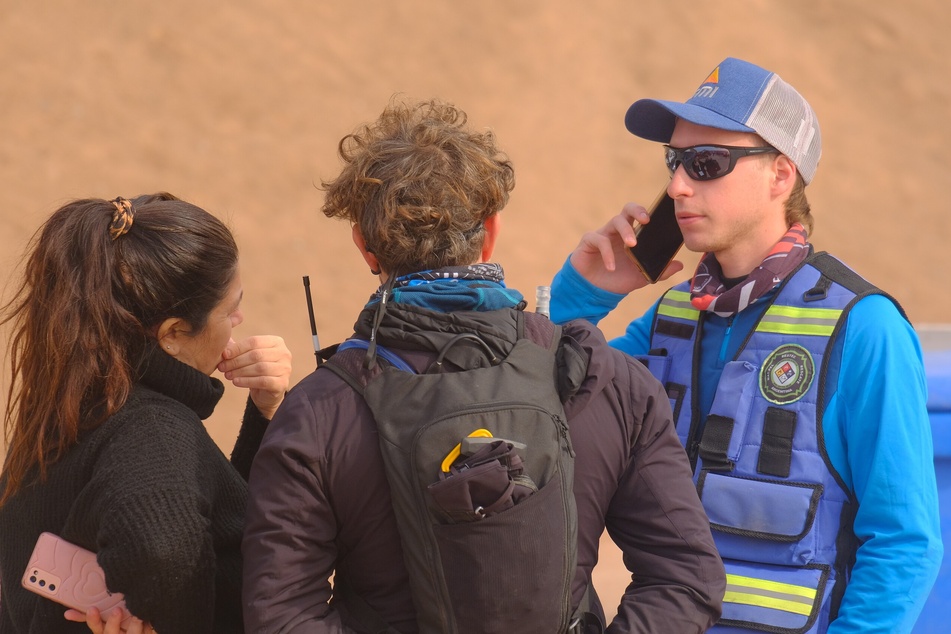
818,292
585,623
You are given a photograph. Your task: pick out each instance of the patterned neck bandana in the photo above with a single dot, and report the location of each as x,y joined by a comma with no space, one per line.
473,287
489,271
479,287
708,291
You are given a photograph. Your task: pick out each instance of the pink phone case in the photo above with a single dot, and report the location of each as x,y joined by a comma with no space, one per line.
70,575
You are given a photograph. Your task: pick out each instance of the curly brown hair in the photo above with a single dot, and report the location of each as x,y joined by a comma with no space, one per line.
420,185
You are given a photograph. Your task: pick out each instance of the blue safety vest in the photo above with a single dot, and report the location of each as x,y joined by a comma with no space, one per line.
780,514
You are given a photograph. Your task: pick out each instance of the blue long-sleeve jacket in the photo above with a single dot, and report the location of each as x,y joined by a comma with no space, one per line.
877,435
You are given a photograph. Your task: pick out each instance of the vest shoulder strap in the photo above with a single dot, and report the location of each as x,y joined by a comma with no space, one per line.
832,269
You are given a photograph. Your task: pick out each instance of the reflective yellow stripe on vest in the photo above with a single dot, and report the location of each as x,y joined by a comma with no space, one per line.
769,594
787,320
677,304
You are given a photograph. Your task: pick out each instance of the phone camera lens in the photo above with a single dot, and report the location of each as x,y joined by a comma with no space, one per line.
52,587
32,578
42,583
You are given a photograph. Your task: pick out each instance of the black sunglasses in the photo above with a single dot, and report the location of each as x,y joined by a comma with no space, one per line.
706,162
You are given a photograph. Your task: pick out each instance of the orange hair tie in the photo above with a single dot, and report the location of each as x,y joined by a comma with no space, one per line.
122,218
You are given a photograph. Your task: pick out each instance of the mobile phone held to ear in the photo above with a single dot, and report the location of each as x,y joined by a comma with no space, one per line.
657,241
70,575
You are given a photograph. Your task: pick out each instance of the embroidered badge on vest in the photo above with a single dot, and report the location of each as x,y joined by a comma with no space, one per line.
787,374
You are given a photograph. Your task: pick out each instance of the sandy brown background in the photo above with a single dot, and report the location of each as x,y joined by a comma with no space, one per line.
238,107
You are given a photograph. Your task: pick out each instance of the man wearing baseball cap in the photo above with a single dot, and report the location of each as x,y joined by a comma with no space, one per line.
797,386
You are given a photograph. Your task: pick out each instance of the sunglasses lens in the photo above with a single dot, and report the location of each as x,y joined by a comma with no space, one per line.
706,163
670,156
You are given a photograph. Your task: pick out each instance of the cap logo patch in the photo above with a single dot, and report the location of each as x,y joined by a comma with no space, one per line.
706,90
787,374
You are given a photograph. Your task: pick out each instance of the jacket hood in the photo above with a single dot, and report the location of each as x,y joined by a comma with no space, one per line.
408,327
586,365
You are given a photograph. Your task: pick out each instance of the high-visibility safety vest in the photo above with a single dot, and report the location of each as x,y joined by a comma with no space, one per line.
780,514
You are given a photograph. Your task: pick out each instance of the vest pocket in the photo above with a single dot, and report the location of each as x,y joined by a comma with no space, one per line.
749,515
781,599
726,425
658,364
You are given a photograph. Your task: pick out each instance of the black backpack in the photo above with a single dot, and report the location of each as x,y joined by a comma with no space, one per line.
480,467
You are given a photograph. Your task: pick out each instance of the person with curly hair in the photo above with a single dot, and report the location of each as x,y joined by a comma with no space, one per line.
324,546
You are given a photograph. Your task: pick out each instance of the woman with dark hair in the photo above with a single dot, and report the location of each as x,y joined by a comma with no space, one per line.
125,309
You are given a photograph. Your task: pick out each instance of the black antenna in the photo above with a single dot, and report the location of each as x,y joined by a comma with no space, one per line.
310,313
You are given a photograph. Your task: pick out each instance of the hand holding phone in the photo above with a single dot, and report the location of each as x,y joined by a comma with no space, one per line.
659,240
70,575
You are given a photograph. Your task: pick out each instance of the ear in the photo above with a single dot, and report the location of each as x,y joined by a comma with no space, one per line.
784,176
493,224
368,257
171,333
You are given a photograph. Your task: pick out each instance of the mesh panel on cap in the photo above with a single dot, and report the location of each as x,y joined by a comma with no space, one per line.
785,120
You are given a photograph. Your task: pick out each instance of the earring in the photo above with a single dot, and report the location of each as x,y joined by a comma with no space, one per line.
375,271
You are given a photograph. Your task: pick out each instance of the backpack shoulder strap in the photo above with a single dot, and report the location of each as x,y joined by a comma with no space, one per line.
384,353
540,329
347,363
348,366
571,360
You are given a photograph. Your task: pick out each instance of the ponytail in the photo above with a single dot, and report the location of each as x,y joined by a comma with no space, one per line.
99,278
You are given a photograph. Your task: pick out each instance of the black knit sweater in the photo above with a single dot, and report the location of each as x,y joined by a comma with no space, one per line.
154,497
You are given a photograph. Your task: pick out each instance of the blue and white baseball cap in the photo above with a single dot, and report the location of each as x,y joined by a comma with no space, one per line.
742,97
